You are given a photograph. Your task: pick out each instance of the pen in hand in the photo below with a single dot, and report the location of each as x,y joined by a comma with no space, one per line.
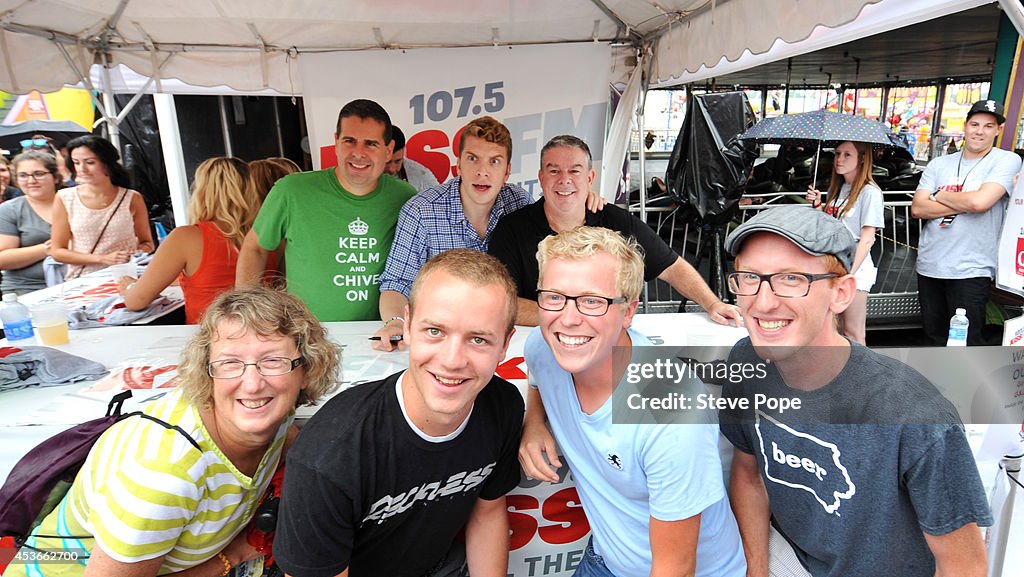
393,338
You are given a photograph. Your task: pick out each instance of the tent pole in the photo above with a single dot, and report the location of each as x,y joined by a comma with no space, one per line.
142,91
640,104
277,127
814,173
113,128
170,143
1015,12
940,99
86,81
225,129
645,84
131,103
643,157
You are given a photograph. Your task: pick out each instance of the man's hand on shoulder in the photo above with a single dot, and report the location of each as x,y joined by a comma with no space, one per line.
595,202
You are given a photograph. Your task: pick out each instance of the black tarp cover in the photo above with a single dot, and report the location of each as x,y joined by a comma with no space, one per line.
709,167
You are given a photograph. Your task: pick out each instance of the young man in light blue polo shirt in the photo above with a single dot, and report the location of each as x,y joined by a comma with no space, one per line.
653,493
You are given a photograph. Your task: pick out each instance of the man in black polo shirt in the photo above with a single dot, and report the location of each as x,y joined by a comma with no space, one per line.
566,175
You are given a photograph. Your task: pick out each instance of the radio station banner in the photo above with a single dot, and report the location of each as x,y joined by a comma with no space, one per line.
1010,268
537,91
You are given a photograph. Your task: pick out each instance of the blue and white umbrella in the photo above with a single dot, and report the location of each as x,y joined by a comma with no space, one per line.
818,128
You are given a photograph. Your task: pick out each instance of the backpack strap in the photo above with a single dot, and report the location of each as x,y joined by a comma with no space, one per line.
163,424
118,400
114,407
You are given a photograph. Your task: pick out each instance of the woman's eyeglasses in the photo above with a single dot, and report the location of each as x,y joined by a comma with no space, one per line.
268,367
38,175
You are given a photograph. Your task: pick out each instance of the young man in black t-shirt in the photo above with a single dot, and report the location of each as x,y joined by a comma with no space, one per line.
385,475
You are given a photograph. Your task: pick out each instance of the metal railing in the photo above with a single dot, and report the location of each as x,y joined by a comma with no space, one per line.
892,302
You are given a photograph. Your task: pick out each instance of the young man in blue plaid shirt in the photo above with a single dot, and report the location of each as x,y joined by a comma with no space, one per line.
460,213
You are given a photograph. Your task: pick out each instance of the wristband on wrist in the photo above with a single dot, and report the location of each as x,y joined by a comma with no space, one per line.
388,322
227,564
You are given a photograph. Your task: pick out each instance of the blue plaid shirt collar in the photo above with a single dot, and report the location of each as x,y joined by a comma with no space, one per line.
504,203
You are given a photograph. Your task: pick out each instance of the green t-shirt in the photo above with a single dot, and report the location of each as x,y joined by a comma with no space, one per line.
336,242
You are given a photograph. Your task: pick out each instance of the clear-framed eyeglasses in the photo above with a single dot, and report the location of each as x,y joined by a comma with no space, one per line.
268,367
590,305
789,285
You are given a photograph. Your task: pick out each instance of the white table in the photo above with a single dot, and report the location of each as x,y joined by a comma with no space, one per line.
54,409
95,286
32,415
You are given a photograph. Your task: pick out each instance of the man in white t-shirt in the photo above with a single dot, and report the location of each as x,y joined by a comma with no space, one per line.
962,199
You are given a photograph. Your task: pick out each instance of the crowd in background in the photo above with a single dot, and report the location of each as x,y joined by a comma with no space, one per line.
71,210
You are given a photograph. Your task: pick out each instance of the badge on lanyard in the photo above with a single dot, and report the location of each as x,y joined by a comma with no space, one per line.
948,220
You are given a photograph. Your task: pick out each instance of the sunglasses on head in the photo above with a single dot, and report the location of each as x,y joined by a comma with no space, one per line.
35,143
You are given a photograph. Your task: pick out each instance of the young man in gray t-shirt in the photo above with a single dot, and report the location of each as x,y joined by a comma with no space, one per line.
872,475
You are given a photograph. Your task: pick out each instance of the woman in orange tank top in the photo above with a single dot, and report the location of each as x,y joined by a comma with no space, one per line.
202,256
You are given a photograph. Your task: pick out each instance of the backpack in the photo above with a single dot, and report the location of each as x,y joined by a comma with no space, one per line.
38,483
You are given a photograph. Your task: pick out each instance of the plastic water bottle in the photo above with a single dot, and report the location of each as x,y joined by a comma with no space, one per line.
17,320
958,329
161,232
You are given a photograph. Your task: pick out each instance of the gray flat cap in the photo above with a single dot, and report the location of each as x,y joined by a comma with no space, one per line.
815,232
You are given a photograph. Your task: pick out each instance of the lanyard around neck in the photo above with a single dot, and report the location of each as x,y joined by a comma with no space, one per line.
966,176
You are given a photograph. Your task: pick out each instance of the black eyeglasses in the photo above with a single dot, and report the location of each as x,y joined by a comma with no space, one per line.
590,305
790,285
38,175
268,367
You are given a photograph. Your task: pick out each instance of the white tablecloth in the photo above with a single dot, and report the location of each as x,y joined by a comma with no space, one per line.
95,286
31,415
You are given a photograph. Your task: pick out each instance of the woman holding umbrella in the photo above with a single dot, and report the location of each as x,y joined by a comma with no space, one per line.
856,200
101,221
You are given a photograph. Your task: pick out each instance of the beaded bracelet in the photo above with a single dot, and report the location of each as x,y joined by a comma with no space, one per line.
227,564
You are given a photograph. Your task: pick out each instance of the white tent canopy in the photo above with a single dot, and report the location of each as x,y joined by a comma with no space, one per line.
252,44
873,19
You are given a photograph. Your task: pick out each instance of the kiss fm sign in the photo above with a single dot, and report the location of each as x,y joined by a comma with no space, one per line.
537,91
1010,269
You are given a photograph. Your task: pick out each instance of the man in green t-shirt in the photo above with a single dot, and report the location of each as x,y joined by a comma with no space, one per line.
337,224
